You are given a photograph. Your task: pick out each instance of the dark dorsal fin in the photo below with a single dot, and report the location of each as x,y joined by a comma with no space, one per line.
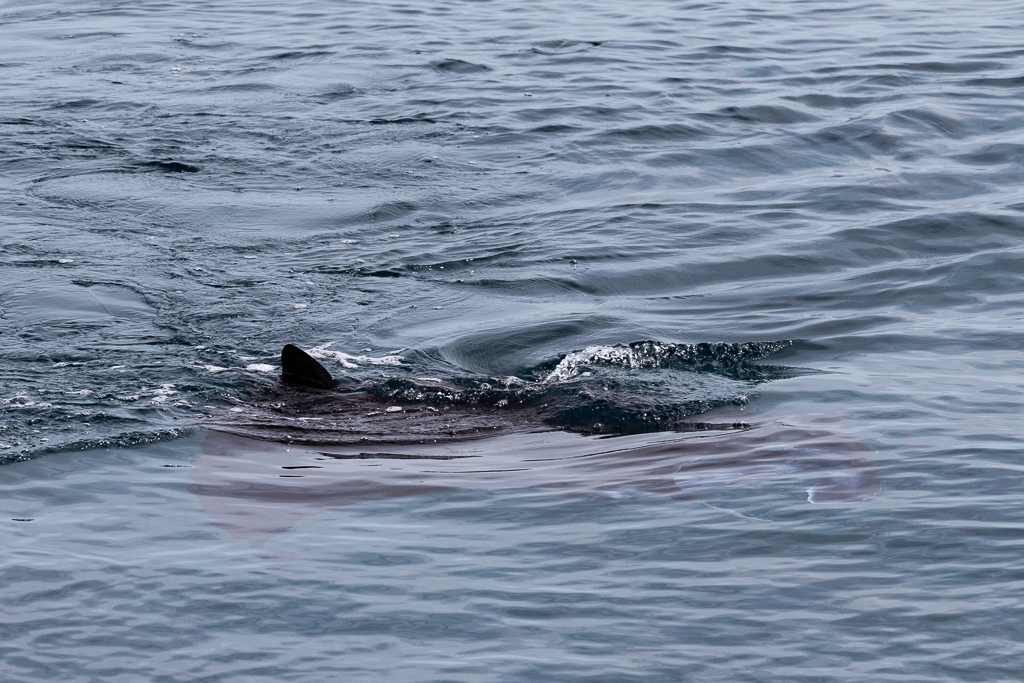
298,367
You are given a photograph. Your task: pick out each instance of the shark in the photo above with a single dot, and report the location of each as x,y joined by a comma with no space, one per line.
263,472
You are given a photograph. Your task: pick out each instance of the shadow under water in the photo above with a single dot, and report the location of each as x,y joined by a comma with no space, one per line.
256,488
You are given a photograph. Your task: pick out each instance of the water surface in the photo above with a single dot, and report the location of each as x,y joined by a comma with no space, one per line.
459,204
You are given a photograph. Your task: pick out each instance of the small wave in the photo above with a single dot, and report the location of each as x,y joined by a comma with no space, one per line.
171,166
338,92
726,359
301,54
459,66
563,47
653,133
762,114
993,155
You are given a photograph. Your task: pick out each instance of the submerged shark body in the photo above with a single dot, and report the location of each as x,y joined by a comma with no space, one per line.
266,470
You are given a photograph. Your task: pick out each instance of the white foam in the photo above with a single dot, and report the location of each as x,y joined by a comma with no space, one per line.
351,362
259,367
569,366
163,393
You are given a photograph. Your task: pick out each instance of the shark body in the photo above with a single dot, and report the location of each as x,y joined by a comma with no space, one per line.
257,483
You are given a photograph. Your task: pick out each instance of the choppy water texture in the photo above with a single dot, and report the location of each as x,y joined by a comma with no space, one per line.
676,341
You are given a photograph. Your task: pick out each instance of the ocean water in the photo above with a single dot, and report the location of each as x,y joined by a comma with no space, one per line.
675,341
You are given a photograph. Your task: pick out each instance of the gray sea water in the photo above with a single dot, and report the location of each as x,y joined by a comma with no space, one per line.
675,341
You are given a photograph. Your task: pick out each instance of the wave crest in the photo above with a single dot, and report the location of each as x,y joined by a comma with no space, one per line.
731,360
